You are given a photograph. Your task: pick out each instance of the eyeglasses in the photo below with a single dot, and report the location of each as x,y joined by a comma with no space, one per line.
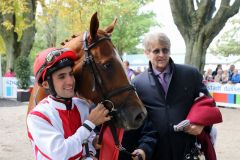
55,53
159,50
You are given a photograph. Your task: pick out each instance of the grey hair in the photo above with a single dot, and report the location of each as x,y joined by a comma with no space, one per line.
153,37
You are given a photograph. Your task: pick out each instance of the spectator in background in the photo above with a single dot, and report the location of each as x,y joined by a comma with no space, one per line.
235,77
130,72
208,76
218,76
9,73
230,71
214,73
138,70
225,76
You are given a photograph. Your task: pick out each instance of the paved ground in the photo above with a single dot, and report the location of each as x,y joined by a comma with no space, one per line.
11,103
15,145
13,136
228,140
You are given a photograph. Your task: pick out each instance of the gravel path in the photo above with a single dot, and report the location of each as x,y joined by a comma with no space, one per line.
15,145
11,102
228,140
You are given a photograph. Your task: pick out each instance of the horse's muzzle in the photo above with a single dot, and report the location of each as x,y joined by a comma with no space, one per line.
130,119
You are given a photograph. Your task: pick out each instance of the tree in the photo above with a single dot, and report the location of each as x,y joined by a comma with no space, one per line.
198,23
17,27
229,41
22,70
71,17
131,25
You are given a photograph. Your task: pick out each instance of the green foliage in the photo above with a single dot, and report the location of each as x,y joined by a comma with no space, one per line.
16,9
60,19
64,18
131,24
22,70
39,45
229,41
4,64
2,46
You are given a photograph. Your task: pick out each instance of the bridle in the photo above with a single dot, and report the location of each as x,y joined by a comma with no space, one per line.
105,95
96,76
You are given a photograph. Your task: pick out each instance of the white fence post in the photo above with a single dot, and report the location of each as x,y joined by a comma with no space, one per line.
1,81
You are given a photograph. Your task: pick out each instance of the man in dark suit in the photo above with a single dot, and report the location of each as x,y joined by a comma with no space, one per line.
168,91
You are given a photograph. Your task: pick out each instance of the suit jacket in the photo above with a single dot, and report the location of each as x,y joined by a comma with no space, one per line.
157,137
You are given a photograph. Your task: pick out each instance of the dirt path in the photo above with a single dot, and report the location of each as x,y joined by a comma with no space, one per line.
228,140
15,145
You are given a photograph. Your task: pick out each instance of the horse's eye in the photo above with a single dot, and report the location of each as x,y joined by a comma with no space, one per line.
107,65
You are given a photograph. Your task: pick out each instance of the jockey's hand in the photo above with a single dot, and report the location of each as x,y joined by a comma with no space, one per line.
139,152
194,129
89,158
94,158
95,143
99,115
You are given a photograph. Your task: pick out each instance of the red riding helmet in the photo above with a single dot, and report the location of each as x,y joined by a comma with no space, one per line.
50,60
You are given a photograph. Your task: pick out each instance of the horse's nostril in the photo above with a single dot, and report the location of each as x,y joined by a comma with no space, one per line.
140,117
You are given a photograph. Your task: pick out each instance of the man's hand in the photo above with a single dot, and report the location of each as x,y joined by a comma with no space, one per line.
139,152
99,115
194,129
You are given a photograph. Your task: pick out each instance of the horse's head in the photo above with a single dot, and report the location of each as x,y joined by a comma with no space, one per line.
101,77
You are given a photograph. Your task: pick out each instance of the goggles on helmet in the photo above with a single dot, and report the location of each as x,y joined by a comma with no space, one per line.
50,58
53,54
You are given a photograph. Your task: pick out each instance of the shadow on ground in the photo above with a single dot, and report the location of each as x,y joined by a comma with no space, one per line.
6,102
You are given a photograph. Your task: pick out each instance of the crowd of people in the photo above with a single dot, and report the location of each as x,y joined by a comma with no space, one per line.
222,76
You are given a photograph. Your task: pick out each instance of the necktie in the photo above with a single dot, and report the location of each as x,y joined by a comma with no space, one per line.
163,81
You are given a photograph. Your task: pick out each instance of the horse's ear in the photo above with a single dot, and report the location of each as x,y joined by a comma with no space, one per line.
110,28
94,24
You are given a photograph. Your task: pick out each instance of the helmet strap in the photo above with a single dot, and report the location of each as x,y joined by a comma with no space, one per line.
66,101
51,86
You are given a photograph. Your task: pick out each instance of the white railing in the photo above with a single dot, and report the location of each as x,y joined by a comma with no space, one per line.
227,95
9,87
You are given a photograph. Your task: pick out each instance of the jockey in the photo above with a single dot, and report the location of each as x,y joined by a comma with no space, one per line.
60,125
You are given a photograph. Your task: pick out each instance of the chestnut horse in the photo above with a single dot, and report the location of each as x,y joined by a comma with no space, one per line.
101,77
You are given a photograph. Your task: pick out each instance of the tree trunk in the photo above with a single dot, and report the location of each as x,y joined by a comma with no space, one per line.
199,26
9,38
15,45
51,29
195,54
